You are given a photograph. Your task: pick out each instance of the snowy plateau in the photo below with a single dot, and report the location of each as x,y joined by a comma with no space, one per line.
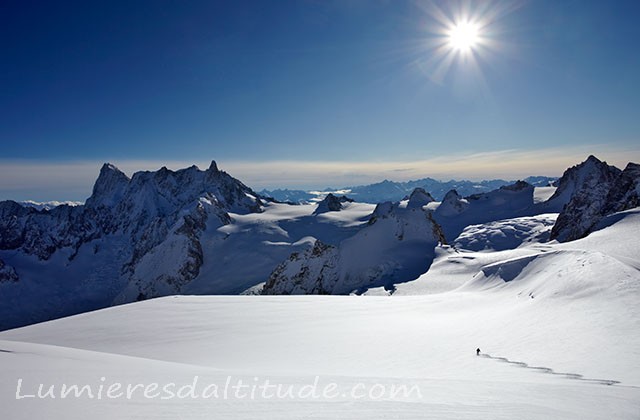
192,281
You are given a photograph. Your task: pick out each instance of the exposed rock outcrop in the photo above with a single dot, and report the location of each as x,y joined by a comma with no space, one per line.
625,193
396,246
151,221
332,203
588,185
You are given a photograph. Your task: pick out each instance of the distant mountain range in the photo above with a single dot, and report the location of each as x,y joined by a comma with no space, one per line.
204,232
396,191
399,240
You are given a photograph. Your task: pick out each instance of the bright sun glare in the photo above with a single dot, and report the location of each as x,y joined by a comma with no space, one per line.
463,37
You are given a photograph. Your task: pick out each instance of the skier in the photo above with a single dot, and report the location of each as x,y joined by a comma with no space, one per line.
478,352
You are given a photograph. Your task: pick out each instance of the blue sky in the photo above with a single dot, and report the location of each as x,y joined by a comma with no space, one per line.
299,88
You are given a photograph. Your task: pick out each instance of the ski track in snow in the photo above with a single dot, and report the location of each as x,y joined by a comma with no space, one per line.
550,371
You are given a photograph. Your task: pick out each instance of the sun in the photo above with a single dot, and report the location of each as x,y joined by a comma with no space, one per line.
463,36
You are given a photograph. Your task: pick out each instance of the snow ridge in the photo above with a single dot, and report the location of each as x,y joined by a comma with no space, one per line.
397,246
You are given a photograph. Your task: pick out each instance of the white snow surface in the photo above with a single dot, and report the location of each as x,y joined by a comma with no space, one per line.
557,324
506,234
542,194
254,243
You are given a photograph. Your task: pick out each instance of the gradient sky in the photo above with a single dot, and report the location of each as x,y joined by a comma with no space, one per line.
343,86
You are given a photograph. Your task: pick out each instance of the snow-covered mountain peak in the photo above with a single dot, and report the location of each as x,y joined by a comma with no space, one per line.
583,176
584,188
164,192
452,204
396,246
418,198
455,212
382,210
109,187
109,167
193,231
142,234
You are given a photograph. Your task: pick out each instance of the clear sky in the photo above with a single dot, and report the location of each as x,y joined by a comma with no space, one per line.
313,93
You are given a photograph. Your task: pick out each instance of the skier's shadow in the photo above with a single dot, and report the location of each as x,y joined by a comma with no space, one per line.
550,371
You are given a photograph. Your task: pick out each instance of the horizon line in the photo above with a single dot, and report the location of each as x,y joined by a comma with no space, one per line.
72,180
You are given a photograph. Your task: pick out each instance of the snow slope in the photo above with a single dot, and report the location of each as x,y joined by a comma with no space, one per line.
506,234
455,213
616,239
242,254
204,232
426,342
557,324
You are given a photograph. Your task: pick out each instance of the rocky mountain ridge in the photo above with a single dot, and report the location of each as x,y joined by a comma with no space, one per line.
204,232
144,230
396,246
596,190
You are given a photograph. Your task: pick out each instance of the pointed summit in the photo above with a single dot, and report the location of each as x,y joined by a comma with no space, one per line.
583,176
452,204
418,198
213,167
583,190
332,203
109,167
109,186
592,158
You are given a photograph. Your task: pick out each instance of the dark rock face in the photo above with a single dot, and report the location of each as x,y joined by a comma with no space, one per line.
153,219
596,190
7,273
331,203
42,232
625,193
312,272
516,186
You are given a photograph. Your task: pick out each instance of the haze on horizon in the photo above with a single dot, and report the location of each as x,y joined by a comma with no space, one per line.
304,94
